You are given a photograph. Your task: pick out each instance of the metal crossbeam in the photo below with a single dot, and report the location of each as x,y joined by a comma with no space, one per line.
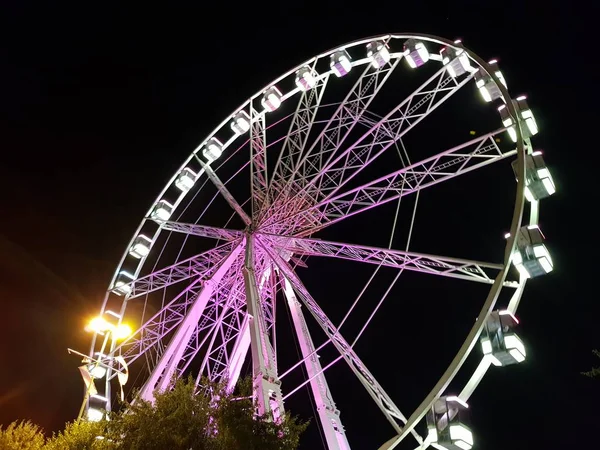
378,139
381,398
200,230
258,162
201,266
335,132
435,265
456,161
296,138
224,192
153,331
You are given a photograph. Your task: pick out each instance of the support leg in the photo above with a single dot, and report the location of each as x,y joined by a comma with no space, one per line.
267,387
161,375
329,415
238,355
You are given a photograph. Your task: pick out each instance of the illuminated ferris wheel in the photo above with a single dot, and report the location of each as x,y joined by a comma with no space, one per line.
231,237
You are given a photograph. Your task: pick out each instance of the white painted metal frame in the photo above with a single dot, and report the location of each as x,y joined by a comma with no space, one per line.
328,413
431,264
226,301
161,376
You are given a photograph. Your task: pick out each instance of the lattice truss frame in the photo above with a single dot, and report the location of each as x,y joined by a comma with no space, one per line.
306,190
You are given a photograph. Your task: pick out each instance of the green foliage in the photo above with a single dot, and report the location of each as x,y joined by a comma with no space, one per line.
80,435
21,436
212,420
179,419
595,372
239,430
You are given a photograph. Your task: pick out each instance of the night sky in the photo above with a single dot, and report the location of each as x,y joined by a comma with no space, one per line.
100,104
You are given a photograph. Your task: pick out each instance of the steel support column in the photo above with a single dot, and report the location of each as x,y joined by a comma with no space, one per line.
329,415
267,386
163,372
238,355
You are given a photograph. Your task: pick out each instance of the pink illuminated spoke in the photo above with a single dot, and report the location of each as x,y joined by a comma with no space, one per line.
225,193
202,266
336,168
258,161
226,345
170,317
444,166
201,230
311,161
385,132
464,269
229,327
295,141
383,401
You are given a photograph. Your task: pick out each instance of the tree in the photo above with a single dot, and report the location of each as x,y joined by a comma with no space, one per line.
238,429
21,436
215,419
595,372
80,435
178,419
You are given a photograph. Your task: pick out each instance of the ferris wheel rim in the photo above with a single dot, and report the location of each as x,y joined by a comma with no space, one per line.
427,37
431,38
521,151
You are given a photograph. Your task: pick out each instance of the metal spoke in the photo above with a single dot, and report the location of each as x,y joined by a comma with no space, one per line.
337,129
223,357
296,138
201,266
200,230
378,138
336,171
225,192
328,413
228,326
171,316
381,398
431,264
446,165
218,313
162,374
258,161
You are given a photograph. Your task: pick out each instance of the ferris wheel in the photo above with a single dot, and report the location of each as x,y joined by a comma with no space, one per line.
230,240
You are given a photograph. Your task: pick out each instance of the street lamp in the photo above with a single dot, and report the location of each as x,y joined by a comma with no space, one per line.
100,325
121,331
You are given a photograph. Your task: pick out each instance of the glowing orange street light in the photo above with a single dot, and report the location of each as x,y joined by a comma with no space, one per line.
101,325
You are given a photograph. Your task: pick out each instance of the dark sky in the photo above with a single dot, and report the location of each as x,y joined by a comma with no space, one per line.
101,103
